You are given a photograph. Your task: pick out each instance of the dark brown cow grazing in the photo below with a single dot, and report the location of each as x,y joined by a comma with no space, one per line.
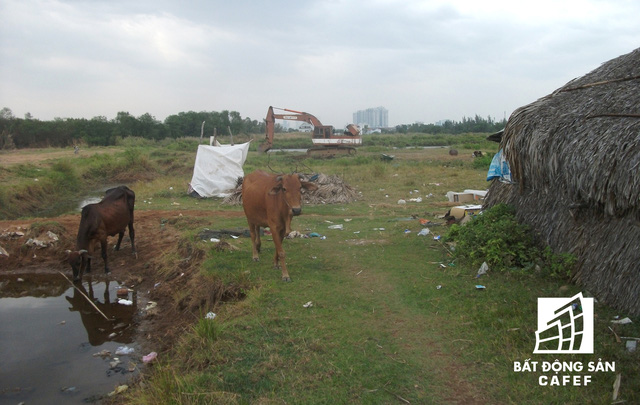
272,200
110,216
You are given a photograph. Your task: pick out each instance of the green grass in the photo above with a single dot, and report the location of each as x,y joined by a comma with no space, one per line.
380,331
379,328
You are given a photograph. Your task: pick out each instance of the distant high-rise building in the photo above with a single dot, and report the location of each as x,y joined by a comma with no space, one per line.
373,117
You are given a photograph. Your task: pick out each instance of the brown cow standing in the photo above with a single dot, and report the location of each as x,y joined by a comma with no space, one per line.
271,200
110,216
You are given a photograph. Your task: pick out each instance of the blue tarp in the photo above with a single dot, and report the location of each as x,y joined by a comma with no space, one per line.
499,168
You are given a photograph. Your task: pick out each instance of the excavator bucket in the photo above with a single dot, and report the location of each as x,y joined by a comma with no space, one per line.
264,147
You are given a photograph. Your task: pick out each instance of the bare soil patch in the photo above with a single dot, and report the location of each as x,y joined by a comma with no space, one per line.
35,156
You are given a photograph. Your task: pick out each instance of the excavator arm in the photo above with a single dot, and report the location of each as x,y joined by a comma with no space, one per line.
270,122
323,135
296,116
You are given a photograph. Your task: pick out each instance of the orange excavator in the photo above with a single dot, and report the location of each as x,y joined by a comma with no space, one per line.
326,142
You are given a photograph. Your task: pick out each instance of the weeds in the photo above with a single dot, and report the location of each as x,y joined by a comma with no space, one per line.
207,329
497,238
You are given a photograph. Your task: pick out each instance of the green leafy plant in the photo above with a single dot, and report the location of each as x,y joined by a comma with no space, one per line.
558,265
482,162
496,237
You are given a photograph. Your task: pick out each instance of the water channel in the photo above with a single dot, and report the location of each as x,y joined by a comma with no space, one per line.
51,338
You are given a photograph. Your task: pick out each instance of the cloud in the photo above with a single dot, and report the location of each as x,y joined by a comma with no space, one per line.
422,60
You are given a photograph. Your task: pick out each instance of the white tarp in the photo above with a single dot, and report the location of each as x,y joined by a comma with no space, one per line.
217,169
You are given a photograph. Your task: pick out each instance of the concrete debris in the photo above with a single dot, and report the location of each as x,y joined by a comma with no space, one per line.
43,241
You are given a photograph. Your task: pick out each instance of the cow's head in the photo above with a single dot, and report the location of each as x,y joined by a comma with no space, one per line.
291,185
78,261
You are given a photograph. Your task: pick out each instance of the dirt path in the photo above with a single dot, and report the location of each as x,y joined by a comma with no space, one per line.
421,343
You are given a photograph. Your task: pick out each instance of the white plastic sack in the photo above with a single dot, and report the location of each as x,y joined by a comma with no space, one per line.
217,169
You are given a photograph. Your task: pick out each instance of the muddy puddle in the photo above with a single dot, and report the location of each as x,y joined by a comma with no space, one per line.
57,347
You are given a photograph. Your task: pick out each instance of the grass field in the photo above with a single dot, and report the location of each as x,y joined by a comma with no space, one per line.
394,318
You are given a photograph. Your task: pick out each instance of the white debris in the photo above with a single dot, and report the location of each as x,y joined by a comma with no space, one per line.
483,269
124,350
623,321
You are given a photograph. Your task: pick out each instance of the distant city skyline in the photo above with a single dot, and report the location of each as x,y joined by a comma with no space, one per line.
377,117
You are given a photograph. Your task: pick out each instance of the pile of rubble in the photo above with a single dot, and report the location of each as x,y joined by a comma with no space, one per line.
331,190
44,240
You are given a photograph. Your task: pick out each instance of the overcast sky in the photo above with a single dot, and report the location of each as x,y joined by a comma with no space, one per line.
422,60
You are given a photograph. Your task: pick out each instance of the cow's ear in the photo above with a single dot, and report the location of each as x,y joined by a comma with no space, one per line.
308,186
278,187
275,190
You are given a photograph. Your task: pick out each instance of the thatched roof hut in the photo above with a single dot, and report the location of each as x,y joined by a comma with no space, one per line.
574,157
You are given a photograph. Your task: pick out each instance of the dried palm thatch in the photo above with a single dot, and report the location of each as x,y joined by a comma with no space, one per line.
575,159
235,198
331,190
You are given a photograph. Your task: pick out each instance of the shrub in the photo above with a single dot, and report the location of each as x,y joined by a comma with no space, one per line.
558,265
483,162
496,237
63,176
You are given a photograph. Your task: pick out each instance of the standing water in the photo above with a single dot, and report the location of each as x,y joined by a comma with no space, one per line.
56,347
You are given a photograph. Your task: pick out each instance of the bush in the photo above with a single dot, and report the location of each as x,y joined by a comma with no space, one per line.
558,265
483,162
63,176
496,237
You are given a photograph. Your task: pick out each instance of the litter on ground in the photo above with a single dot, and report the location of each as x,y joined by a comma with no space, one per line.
124,350
149,357
483,269
623,321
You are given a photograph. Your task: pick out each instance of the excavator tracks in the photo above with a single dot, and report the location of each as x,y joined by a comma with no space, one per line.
328,152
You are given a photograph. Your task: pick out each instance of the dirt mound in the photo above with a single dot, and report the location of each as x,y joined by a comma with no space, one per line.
331,190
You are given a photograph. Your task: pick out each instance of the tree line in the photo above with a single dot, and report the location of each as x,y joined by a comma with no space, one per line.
467,125
100,131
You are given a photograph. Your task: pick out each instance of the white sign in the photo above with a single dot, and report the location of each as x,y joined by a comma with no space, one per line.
565,325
